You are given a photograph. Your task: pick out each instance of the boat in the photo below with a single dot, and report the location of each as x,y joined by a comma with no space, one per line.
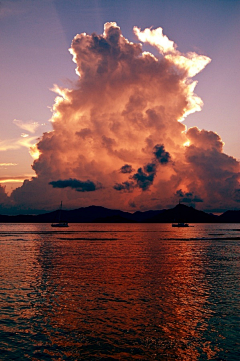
60,222
180,224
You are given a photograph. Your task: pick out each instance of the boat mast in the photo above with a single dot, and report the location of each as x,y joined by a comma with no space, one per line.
60,211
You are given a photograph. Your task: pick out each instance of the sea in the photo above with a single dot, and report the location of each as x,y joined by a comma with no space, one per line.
119,292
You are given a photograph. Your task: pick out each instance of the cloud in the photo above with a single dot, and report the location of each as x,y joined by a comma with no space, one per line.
156,38
17,143
161,155
124,186
30,126
205,139
83,133
9,144
237,195
5,201
3,195
187,197
214,175
7,164
87,186
132,204
126,169
17,179
144,177
190,62
119,131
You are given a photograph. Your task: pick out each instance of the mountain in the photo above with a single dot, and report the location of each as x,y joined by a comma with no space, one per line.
144,216
80,215
230,217
180,213
93,214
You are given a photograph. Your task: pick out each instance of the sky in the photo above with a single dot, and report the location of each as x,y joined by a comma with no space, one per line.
125,104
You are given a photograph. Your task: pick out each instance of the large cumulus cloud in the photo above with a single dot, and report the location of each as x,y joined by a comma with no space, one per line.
118,137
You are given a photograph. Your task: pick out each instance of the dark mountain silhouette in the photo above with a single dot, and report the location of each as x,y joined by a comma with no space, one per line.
93,214
230,217
180,213
143,216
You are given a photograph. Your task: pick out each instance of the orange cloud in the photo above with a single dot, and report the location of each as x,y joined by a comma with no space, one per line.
7,164
117,140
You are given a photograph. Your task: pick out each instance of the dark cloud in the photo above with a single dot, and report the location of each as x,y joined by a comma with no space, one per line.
237,195
132,204
83,133
162,156
76,184
144,176
126,169
145,179
124,186
150,168
188,197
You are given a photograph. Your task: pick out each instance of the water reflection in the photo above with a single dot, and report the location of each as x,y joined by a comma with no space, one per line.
175,280
120,292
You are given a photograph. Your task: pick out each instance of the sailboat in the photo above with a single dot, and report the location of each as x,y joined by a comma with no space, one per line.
180,224
60,222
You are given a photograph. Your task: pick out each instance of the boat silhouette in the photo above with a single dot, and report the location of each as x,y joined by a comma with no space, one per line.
180,224
60,222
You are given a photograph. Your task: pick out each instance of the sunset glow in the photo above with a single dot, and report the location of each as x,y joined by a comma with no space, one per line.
34,152
11,180
7,164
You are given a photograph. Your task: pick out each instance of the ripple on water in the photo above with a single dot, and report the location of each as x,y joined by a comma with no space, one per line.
120,292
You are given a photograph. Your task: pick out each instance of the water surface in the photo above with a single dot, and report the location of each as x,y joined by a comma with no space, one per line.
119,292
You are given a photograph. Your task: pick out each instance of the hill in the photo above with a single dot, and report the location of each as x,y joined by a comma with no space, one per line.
180,213
230,217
